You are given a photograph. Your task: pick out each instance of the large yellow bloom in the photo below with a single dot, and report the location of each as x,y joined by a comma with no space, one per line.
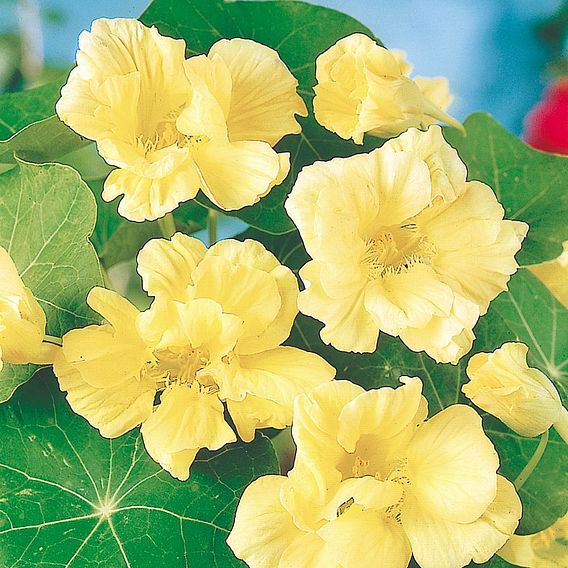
524,398
212,335
363,87
401,243
374,482
173,126
545,549
22,320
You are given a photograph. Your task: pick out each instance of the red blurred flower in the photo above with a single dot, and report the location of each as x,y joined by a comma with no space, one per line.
546,125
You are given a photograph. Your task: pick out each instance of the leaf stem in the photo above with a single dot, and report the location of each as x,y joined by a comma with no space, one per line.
167,226
212,218
52,340
533,462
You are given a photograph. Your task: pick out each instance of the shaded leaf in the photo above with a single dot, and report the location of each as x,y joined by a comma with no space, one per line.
75,499
46,216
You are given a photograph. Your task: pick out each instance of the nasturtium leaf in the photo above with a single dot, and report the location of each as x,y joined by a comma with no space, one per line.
531,185
46,216
29,128
299,32
528,313
72,498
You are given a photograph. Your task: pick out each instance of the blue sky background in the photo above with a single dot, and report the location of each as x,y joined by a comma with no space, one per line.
487,48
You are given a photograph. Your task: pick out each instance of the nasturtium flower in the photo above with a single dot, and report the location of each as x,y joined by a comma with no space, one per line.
211,338
22,320
365,88
173,126
401,243
554,275
374,482
545,549
524,398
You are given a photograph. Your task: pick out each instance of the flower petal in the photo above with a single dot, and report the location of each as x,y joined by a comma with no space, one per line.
366,538
440,543
281,374
263,97
253,254
452,465
115,408
237,174
263,529
186,420
148,198
166,266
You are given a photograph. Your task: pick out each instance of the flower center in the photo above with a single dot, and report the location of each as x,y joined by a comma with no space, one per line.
179,366
395,249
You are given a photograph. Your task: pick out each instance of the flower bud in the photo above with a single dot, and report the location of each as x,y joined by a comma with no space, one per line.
502,384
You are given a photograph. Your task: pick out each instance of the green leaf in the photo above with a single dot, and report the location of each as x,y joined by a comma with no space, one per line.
46,216
299,32
72,498
528,311
29,128
531,185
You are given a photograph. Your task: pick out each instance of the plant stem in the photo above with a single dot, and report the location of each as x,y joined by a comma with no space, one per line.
532,463
167,226
53,340
212,218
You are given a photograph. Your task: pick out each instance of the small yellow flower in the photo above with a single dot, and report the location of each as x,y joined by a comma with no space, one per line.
401,243
554,275
545,549
212,335
374,482
522,397
22,320
173,126
363,87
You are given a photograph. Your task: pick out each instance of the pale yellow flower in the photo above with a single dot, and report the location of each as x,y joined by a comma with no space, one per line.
173,126
522,397
375,482
365,88
212,335
22,320
545,549
401,243
554,275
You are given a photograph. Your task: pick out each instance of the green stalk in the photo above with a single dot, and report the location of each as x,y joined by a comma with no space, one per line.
212,218
167,226
532,463
53,340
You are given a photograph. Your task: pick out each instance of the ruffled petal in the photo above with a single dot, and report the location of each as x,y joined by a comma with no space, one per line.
452,465
409,298
237,174
166,266
348,324
446,339
255,300
279,375
263,529
147,198
186,420
440,543
253,254
386,412
114,408
447,172
366,538
264,101
252,413
479,258
308,551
